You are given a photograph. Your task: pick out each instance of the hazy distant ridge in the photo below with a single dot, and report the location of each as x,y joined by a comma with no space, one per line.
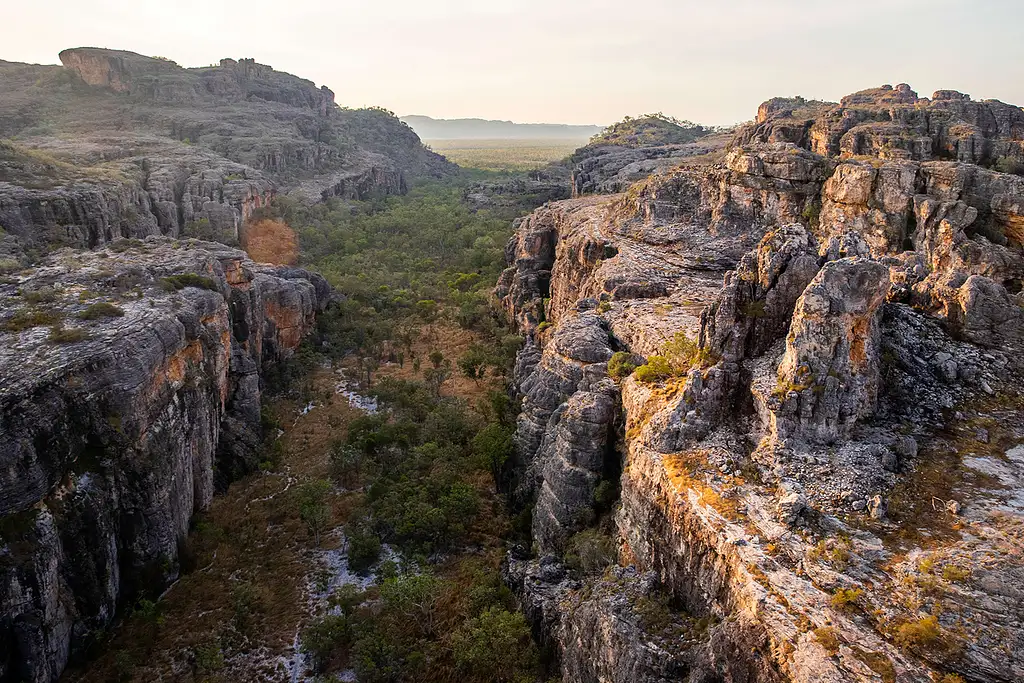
481,129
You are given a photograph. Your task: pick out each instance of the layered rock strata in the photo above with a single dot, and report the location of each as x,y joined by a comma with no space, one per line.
114,144
130,390
830,474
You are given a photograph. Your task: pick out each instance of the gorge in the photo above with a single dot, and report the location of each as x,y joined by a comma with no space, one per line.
762,419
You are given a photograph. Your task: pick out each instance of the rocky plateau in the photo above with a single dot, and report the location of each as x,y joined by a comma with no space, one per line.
114,145
819,460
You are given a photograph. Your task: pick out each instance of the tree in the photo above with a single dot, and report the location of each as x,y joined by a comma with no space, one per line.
313,508
493,447
436,377
474,362
346,464
495,646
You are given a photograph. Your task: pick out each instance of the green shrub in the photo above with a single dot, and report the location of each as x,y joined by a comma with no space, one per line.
101,309
604,307
846,598
176,282
43,295
495,646
622,365
543,326
67,335
27,318
314,509
812,214
952,572
1009,165
828,638
324,638
124,245
656,369
590,551
363,548
605,494
346,464
209,657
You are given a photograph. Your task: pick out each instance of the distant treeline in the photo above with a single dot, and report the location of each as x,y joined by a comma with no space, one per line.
481,129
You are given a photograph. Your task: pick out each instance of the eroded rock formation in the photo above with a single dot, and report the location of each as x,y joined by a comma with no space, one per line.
130,390
833,482
114,144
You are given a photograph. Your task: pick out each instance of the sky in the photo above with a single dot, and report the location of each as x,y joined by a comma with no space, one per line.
560,61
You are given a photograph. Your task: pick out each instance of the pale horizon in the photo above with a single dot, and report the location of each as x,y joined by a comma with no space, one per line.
570,62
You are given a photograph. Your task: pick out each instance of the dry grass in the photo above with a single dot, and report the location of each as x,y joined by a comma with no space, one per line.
270,241
684,471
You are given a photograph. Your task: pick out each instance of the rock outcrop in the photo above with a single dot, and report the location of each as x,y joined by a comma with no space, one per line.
114,144
894,123
130,391
812,461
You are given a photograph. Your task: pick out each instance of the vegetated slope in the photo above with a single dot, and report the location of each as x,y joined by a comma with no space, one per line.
812,351
309,568
115,144
480,129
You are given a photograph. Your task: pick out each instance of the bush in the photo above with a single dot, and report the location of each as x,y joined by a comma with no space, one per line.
177,282
605,494
473,363
828,638
493,446
346,464
590,551
1009,165
324,637
313,508
543,326
209,657
100,310
363,549
812,214
622,365
66,335
656,369
846,598
43,295
495,646
951,572
28,318
918,634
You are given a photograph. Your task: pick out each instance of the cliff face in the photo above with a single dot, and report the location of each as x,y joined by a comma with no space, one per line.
894,123
115,144
131,388
830,484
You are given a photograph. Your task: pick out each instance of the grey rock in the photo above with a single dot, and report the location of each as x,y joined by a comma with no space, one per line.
127,427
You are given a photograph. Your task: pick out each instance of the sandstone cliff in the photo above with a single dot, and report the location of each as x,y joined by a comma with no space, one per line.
114,144
130,390
830,483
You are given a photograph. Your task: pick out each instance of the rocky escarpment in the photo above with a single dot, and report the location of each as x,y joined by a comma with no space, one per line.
822,458
634,149
114,144
895,123
131,390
